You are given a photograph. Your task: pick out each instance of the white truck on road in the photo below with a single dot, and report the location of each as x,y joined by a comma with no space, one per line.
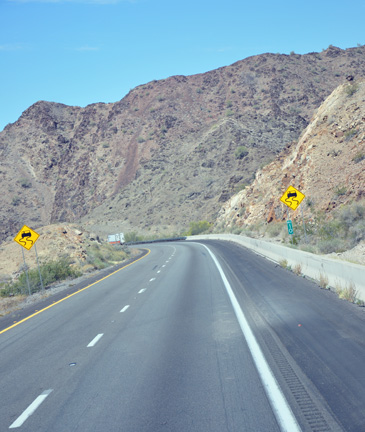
116,238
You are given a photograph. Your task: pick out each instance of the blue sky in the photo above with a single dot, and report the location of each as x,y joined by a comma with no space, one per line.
79,52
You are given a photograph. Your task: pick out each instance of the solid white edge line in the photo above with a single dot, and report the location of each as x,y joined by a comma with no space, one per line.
279,404
95,340
125,308
30,410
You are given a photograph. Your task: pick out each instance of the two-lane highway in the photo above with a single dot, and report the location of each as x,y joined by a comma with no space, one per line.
158,346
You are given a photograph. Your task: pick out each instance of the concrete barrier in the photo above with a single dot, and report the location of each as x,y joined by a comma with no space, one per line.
339,273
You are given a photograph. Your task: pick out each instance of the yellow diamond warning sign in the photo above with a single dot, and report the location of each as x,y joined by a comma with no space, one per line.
26,237
292,197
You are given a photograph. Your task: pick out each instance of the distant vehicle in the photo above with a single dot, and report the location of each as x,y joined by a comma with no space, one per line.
116,238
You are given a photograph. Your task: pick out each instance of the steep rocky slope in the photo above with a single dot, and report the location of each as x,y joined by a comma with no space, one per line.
169,152
327,164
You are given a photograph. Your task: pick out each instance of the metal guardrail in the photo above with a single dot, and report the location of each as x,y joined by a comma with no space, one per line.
155,241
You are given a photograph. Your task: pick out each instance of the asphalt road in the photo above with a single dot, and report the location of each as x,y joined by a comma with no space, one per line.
159,346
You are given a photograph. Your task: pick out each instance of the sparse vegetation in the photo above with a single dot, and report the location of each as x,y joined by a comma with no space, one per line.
358,157
241,152
102,256
132,237
342,232
340,190
350,134
15,201
297,269
284,263
51,271
273,230
348,293
351,89
198,227
25,183
240,187
323,280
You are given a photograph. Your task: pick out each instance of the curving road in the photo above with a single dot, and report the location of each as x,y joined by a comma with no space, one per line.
188,338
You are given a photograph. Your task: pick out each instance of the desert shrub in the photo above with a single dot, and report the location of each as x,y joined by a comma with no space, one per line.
348,293
358,157
350,134
323,280
340,190
236,230
240,186
274,229
351,214
25,183
105,255
198,227
241,152
51,271
283,263
15,201
332,245
132,237
356,232
351,89
297,269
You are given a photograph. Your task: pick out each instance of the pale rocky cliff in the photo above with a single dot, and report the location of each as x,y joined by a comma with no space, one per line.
327,164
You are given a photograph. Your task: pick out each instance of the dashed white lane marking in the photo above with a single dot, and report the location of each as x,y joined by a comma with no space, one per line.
125,308
279,404
159,271
142,290
152,279
164,265
95,340
30,410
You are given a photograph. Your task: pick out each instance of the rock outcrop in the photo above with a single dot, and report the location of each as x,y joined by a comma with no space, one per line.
327,164
169,152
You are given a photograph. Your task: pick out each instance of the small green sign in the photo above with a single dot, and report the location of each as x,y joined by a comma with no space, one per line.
290,227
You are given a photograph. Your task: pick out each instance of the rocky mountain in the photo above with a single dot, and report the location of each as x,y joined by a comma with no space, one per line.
170,152
327,164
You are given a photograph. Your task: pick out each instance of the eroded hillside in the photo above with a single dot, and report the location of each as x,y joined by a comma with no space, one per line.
169,152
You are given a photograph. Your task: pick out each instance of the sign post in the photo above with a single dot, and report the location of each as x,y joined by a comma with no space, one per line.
290,229
26,237
26,272
292,198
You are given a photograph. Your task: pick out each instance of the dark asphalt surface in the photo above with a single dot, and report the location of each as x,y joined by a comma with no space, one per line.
314,342
170,355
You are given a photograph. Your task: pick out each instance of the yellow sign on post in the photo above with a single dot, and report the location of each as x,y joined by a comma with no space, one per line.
26,237
292,197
